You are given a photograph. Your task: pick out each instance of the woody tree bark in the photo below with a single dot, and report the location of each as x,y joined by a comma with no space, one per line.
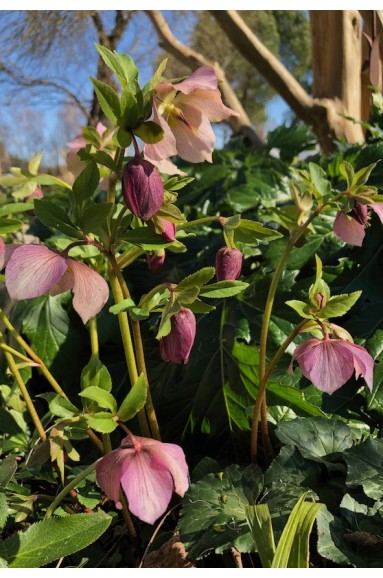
337,63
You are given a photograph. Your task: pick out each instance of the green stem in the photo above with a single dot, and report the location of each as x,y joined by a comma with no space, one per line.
118,159
198,222
57,501
24,392
16,353
116,226
129,257
94,337
127,340
261,399
43,368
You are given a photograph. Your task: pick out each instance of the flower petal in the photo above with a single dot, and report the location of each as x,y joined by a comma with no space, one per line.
148,485
90,290
173,457
194,144
6,252
109,471
363,362
166,147
209,102
32,271
204,78
348,229
378,209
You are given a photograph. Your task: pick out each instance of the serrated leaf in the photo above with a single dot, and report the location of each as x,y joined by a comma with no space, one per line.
3,511
96,374
251,233
347,172
124,305
338,305
12,208
319,180
8,467
200,307
102,397
197,279
300,307
223,289
52,215
361,177
86,183
61,407
108,99
49,540
149,132
187,295
93,217
102,422
135,400
130,112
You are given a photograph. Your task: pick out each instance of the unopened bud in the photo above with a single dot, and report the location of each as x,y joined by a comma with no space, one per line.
36,194
228,264
176,346
142,188
155,260
169,232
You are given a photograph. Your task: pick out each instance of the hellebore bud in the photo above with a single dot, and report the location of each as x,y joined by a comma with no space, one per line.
176,346
155,260
142,188
36,194
228,264
169,232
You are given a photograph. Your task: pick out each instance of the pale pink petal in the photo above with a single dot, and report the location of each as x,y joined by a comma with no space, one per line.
90,290
166,147
64,284
101,128
109,471
173,457
148,486
32,271
6,253
348,229
203,78
209,102
167,167
77,143
378,209
363,362
195,143
2,245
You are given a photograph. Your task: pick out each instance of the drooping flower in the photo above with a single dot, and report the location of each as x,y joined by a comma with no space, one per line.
155,260
228,264
148,470
6,252
184,111
34,270
329,363
176,346
142,188
350,227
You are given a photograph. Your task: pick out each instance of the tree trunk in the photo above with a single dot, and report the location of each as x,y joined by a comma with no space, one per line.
337,66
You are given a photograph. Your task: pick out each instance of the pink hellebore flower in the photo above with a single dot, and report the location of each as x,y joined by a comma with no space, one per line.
148,470
228,264
329,363
350,226
6,252
176,346
184,111
34,270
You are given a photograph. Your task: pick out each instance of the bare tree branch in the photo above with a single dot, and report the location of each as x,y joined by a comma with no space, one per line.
266,62
194,59
21,80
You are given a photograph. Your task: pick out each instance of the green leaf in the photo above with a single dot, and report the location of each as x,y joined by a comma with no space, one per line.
251,233
259,519
124,305
130,112
150,132
223,289
102,397
213,515
52,215
100,157
34,163
135,400
3,511
365,467
157,76
347,172
302,308
186,295
95,374
8,467
86,183
197,279
102,422
13,208
61,407
200,307
293,547
318,177
108,99
143,237
316,437
338,305
9,226
93,217
49,540
122,138
121,64
361,177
